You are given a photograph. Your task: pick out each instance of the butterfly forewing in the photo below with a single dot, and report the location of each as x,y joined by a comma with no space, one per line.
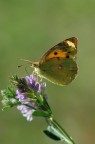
65,49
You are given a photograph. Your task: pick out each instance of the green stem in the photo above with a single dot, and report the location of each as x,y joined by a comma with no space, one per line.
58,131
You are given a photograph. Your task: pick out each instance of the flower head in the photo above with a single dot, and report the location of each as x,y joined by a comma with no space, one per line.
29,96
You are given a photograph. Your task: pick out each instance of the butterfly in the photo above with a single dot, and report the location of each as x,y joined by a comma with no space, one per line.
58,64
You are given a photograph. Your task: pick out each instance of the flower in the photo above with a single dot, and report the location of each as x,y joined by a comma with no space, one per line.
26,91
26,112
28,94
33,84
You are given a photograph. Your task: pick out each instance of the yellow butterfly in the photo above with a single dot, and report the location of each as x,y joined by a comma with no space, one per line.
58,64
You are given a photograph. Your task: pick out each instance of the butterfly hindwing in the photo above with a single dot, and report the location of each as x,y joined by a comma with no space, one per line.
61,72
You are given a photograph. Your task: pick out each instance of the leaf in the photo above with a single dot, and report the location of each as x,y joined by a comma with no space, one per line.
40,113
55,131
51,135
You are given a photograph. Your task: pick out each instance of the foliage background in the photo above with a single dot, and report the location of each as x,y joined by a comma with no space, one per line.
27,29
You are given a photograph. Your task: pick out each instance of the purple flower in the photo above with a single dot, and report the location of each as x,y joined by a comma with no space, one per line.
26,90
33,84
20,95
26,112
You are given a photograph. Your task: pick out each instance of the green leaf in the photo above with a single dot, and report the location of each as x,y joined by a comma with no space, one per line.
40,113
9,92
55,129
51,135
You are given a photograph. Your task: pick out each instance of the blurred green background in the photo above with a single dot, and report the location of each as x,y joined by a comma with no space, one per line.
28,28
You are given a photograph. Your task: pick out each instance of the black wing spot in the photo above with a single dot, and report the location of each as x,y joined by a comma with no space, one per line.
55,53
67,56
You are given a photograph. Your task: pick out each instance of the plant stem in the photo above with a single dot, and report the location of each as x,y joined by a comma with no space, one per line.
58,131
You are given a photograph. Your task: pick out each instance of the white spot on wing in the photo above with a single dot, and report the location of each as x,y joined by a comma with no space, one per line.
71,43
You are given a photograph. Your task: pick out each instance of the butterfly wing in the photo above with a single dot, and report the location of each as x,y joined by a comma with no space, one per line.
58,70
66,48
58,64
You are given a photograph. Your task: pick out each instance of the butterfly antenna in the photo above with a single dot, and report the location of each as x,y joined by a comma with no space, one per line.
25,65
28,62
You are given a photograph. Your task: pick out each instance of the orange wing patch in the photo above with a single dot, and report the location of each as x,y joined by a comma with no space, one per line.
56,53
